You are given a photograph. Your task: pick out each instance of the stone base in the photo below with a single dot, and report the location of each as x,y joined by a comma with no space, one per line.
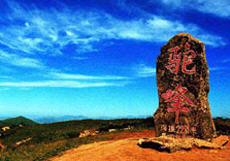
221,140
169,144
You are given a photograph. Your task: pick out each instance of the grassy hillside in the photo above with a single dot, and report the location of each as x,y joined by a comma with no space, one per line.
16,121
61,130
50,139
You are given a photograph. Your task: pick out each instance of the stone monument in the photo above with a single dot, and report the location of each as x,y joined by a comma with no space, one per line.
183,87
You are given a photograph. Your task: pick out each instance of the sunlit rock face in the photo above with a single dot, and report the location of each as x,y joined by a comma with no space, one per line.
183,86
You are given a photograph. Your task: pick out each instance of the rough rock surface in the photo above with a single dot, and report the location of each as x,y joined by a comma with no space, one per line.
90,132
183,87
221,140
169,144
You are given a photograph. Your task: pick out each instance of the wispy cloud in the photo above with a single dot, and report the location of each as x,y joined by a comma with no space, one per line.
219,8
142,70
62,84
66,80
49,31
20,61
58,75
80,58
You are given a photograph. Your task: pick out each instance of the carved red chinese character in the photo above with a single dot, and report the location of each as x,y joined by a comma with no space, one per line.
175,59
188,55
177,99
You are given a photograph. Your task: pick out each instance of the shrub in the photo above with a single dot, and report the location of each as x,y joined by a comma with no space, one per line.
72,134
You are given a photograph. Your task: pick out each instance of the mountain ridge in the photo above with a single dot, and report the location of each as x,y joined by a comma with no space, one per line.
54,119
17,120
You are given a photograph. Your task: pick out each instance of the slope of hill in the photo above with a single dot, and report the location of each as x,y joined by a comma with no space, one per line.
48,140
16,121
128,150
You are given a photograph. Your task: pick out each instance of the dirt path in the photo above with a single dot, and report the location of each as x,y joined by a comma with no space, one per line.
124,148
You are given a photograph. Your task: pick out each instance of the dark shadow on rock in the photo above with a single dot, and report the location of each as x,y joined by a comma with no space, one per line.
225,143
151,145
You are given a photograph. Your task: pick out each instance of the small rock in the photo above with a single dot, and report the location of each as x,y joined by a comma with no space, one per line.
205,144
112,130
23,141
90,132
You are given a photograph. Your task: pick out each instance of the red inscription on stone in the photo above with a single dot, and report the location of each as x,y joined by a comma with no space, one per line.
177,100
175,59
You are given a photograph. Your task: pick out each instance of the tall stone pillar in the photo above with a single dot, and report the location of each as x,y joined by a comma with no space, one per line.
183,87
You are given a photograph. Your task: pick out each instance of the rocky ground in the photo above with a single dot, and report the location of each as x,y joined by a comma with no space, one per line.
124,148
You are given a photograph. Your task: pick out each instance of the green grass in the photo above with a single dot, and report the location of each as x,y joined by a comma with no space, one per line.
52,139
43,151
16,121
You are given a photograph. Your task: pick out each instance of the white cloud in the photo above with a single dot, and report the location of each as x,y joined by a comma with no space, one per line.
85,48
214,41
66,80
219,8
65,84
160,23
80,58
143,70
49,31
20,61
27,62
84,77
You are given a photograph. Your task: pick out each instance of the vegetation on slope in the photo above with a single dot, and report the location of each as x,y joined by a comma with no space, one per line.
16,121
51,139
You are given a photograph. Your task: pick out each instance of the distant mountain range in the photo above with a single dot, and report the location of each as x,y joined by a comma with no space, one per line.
52,119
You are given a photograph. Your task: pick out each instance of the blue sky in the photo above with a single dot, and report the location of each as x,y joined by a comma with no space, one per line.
98,58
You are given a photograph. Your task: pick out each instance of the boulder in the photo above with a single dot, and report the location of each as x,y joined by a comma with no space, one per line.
221,140
169,144
183,87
